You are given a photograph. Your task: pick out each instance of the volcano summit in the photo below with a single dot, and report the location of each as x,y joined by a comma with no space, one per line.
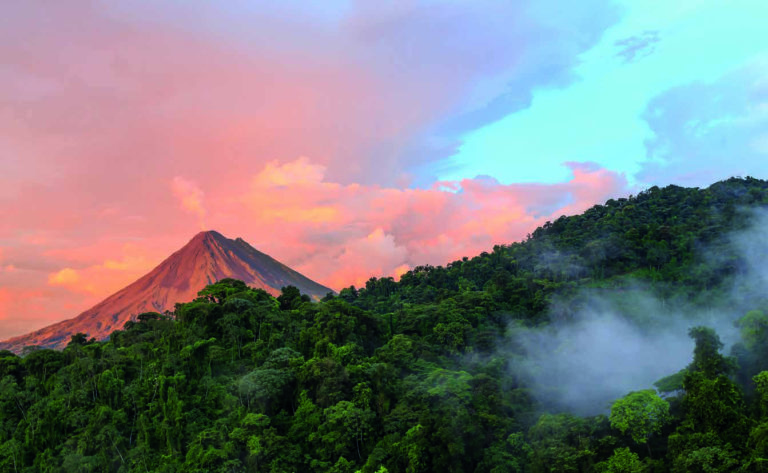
207,258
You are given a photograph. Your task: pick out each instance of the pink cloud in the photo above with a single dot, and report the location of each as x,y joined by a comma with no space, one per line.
190,197
374,230
23,308
375,254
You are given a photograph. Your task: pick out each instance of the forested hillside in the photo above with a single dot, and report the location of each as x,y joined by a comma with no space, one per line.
422,374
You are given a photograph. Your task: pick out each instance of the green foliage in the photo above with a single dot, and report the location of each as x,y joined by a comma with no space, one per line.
754,328
707,359
640,414
702,452
671,383
622,461
562,442
761,381
714,429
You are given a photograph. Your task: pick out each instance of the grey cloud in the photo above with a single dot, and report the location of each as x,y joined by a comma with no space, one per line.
705,132
636,47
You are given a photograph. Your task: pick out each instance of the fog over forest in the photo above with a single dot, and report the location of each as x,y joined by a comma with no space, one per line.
624,340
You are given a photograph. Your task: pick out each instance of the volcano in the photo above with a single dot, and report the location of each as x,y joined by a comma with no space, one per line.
207,258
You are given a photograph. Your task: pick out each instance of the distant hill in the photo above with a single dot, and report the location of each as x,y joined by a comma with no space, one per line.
678,239
207,258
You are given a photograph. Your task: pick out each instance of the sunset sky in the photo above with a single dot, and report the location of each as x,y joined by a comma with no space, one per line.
348,139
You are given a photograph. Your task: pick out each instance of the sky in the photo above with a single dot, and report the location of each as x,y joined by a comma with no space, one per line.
349,139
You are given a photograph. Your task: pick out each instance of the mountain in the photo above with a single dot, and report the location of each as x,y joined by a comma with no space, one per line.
207,258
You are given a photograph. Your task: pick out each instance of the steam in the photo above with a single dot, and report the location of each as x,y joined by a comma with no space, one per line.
624,339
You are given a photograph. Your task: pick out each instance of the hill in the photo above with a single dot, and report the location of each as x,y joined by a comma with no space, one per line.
437,371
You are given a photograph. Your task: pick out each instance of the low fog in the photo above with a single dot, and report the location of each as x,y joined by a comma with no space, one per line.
619,340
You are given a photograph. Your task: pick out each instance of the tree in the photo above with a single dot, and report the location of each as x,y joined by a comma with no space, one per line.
343,431
706,355
622,461
671,383
714,428
754,328
640,414
291,298
263,387
702,452
752,351
219,291
80,339
761,381
560,443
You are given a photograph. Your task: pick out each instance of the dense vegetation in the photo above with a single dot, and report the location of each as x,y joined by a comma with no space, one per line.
408,376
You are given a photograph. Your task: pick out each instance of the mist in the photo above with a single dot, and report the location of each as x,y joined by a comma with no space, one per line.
584,364
617,340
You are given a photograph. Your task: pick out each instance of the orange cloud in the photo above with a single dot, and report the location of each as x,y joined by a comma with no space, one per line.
400,270
64,277
24,309
14,299
126,263
6,297
100,280
190,197
8,268
297,172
